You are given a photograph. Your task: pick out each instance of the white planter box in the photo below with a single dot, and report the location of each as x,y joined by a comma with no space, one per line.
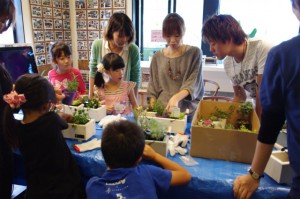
96,114
279,167
177,125
80,132
160,147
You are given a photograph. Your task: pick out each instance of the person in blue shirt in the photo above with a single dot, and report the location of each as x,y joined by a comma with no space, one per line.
280,101
123,147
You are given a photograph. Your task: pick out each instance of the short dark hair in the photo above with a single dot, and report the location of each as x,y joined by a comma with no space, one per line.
173,23
223,28
110,61
119,22
7,9
57,48
122,144
37,90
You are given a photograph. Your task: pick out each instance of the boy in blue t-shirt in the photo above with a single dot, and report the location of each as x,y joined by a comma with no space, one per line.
123,145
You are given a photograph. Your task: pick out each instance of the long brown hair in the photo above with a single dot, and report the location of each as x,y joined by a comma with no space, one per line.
7,11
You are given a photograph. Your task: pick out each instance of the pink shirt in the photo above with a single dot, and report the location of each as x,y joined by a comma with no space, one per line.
119,99
60,80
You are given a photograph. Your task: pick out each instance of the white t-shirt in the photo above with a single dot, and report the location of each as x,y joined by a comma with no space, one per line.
245,73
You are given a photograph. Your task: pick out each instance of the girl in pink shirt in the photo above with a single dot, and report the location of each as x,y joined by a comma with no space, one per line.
63,71
115,92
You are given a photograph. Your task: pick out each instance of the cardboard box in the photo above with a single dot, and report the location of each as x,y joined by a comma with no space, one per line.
160,147
96,114
224,144
177,125
80,132
279,168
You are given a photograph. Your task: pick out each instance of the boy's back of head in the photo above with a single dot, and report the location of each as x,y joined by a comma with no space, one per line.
122,144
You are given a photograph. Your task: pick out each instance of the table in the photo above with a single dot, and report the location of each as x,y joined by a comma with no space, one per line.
210,178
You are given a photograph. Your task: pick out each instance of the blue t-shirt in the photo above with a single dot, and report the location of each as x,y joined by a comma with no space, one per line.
142,181
280,100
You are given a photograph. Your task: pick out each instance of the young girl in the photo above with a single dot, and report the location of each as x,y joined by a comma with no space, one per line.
63,71
115,92
51,171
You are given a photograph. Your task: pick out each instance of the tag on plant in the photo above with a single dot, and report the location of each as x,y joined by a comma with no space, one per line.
175,111
188,160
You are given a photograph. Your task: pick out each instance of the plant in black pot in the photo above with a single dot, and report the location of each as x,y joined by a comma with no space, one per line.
70,91
244,112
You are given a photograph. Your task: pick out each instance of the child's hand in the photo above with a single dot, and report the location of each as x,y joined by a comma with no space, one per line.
67,117
149,153
59,95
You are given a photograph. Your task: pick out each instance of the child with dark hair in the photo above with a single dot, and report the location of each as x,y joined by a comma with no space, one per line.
51,171
123,146
63,70
5,151
116,92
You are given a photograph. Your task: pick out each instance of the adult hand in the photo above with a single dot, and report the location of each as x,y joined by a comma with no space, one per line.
244,186
59,95
173,102
149,152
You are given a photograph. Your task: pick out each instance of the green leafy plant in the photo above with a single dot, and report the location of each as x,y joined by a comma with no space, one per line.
72,85
245,109
91,103
80,117
221,114
153,129
159,108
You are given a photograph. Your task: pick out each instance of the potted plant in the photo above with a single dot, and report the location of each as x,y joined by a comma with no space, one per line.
244,112
155,131
219,117
70,91
158,112
92,106
81,126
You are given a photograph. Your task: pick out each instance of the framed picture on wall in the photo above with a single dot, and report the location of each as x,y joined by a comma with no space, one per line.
49,35
67,35
36,11
40,60
38,2
46,2
105,14
80,14
81,35
56,3
37,23
38,35
93,25
120,10
39,48
81,25
92,3
80,4
57,13
106,4
93,35
93,14
65,4
119,3
58,24
48,24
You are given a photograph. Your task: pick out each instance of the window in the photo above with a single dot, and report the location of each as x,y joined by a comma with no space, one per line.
274,20
154,12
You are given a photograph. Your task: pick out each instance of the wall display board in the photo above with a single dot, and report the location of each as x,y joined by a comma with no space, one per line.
91,19
51,22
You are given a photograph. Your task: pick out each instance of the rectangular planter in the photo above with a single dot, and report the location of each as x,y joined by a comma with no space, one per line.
160,147
80,132
96,114
279,168
177,125
224,144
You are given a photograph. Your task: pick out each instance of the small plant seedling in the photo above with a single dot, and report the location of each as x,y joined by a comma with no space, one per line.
80,117
73,84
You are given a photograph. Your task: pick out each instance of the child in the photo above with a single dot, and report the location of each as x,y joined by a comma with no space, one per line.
115,92
51,171
63,71
6,163
123,144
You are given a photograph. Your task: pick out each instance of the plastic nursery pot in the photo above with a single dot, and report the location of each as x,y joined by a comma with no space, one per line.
69,97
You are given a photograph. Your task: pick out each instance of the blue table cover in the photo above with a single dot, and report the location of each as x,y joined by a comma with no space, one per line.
210,178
